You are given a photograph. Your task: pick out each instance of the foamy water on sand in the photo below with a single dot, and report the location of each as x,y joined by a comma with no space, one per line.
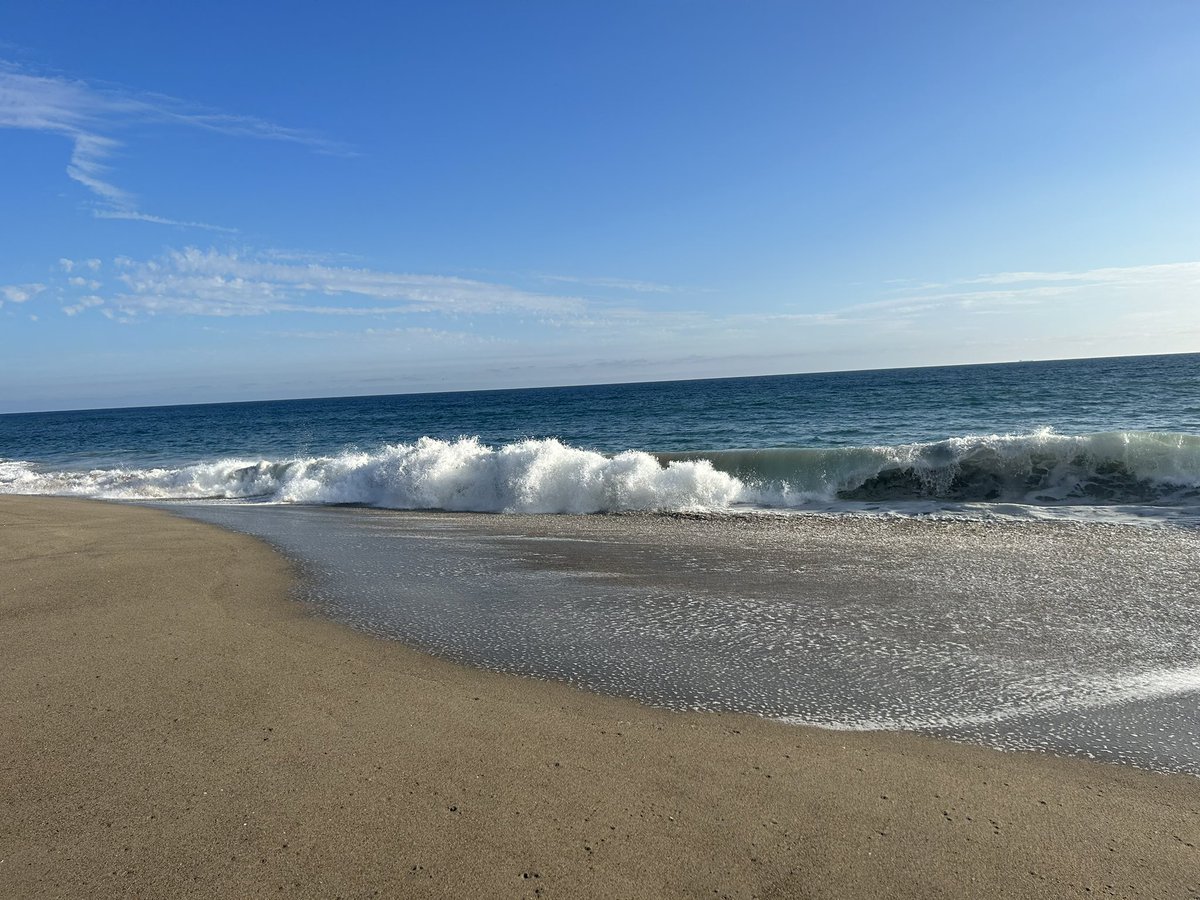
938,549
1082,639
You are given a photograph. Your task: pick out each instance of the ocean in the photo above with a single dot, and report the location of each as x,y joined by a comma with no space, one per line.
1116,438
945,550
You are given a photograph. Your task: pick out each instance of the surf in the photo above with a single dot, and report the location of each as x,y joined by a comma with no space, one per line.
1039,469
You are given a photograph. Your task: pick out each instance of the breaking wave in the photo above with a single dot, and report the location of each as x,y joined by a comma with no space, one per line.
547,476
535,476
1038,468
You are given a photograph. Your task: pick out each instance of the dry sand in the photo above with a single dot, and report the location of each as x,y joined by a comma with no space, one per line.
173,725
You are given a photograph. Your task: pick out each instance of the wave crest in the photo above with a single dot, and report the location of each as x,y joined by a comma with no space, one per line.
547,476
1038,468
534,476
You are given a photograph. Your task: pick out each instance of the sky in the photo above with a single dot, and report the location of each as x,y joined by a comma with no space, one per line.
234,201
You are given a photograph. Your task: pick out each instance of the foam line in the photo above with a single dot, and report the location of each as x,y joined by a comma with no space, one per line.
1042,469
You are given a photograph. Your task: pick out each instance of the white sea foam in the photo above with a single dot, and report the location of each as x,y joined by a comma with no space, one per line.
1063,696
1127,475
534,476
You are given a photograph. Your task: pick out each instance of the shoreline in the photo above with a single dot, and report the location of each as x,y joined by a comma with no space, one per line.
1078,636
175,725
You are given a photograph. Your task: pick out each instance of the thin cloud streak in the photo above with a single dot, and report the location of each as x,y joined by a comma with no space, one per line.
212,283
134,216
620,284
1179,273
1023,314
87,115
1171,285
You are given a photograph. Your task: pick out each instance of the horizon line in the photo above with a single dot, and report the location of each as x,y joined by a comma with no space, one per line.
596,384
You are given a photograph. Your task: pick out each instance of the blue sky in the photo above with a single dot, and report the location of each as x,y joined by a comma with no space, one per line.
236,201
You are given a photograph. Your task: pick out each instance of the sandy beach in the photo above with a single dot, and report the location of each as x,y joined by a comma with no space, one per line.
174,725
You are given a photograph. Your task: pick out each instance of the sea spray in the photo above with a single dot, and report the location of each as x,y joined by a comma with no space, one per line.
534,476
548,476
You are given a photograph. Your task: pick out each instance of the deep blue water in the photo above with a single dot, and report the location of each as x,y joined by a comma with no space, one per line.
843,409
1084,432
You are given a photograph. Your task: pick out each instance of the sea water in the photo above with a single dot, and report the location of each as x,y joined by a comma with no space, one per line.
1077,638
1107,437
932,598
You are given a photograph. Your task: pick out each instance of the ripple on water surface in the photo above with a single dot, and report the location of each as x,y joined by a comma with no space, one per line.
1082,639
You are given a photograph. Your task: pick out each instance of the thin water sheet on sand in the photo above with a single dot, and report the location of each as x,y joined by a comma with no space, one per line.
173,726
1081,639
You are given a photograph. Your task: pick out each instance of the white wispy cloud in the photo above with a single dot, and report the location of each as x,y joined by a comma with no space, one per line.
1143,308
1161,273
135,216
414,337
215,283
89,115
91,300
1019,314
69,265
1165,286
19,293
619,284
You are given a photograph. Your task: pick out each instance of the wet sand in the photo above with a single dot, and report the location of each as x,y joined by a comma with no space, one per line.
1080,639
173,725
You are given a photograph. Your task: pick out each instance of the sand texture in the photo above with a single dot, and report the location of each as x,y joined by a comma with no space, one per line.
173,725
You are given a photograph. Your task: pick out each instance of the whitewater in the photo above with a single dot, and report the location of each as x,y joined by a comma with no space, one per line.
855,560
1150,470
